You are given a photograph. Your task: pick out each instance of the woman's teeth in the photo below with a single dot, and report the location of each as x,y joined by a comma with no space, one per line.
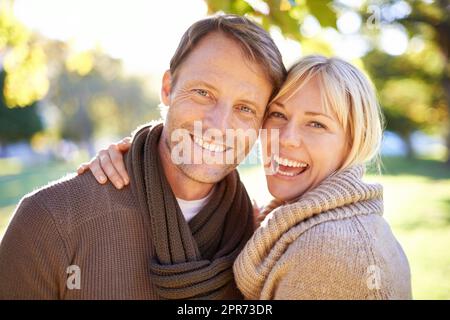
289,174
290,165
209,146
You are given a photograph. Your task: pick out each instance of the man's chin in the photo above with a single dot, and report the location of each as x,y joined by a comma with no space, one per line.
205,173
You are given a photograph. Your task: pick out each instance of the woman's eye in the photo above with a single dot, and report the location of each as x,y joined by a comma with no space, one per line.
318,125
276,114
201,92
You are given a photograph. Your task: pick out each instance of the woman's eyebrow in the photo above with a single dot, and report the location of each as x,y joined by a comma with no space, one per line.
279,104
311,113
308,113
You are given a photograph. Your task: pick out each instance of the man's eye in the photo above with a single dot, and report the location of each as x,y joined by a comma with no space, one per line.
318,125
201,92
276,114
244,108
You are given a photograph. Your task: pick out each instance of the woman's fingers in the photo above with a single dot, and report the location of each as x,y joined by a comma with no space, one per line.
108,168
124,144
118,162
82,168
109,164
97,171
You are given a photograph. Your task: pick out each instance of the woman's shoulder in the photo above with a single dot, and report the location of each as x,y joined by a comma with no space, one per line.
335,235
329,234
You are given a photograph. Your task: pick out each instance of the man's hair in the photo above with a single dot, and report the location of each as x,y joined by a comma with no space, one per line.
255,42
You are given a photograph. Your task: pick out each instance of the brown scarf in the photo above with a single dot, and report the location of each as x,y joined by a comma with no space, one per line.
192,261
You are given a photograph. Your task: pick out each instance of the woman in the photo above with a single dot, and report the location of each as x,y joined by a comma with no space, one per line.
323,237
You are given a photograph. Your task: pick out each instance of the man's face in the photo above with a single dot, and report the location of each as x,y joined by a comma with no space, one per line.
220,89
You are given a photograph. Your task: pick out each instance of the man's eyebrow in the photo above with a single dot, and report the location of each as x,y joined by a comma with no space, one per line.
250,102
201,83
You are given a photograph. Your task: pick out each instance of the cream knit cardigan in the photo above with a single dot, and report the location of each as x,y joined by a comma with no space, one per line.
332,243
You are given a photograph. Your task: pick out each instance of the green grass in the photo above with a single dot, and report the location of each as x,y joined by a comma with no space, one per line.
16,180
417,206
429,257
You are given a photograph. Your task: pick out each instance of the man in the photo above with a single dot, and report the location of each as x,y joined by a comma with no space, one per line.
175,231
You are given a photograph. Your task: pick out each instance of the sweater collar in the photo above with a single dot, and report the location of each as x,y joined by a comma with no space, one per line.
339,196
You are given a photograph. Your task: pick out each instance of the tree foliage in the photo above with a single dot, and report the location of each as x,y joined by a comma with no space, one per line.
414,88
18,123
23,60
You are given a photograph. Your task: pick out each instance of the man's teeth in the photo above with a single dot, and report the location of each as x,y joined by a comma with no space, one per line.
209,146
289,163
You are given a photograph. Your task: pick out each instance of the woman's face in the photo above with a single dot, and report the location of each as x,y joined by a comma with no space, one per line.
312,143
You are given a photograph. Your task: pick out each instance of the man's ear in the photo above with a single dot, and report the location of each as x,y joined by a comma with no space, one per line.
166,88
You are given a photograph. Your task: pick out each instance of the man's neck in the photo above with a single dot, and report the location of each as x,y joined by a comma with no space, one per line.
182,186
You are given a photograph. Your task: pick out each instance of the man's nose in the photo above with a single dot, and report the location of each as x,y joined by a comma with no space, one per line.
290,136
220,117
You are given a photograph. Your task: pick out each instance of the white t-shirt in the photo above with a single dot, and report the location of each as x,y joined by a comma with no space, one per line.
190,208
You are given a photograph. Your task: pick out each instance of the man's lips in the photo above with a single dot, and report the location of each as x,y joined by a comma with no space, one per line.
209,145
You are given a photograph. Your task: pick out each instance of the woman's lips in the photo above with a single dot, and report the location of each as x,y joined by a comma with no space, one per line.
289,171
286,171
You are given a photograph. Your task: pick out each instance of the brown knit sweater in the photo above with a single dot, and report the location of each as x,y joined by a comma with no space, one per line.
76,226
77,221
332,243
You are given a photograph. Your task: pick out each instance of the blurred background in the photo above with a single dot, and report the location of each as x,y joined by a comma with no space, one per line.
76,75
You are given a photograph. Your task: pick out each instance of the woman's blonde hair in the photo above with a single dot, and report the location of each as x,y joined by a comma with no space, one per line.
349,94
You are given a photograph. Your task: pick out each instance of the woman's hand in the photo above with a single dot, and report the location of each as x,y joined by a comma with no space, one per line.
109,164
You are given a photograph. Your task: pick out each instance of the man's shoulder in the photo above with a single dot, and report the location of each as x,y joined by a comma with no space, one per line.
74,199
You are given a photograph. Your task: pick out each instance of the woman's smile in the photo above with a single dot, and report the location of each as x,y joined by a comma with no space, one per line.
286,168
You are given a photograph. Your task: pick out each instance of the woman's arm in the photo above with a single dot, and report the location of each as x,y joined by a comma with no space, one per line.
109,164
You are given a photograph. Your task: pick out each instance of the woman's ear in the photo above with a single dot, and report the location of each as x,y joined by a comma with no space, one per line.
166,88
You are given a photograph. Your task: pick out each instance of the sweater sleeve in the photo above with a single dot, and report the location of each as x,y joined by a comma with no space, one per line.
33,258
323,264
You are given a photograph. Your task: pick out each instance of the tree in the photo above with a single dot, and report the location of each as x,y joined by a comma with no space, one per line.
414,87
88,88
410,91
428,69
93,96
288,15
17,124
23,61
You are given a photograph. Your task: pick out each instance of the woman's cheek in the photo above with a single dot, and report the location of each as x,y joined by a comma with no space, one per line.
326,151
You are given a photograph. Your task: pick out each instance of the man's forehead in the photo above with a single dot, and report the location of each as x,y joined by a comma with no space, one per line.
218,79
218,52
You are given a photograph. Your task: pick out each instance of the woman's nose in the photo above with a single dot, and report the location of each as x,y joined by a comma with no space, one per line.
290,136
